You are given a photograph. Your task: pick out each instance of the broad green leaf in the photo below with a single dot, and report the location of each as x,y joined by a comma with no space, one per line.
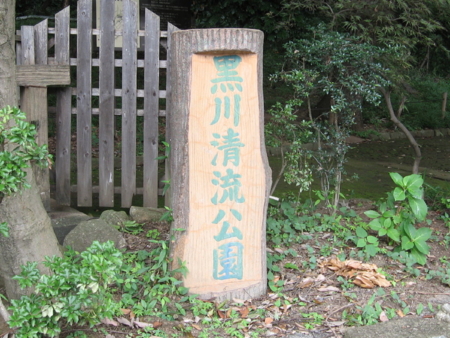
406,243
420,257
410,230
372,214
422,246
418,207
423,234
416,192
382,232
360,232
413,181
394,234
399,194
397,178
372,250
372,239
375,224
361,243
387,223
389,213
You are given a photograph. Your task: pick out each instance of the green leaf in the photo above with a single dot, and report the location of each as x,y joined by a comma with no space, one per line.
422,247
399,194
423,234
416,192
420,257
291,266
375,224
397,178
372,214
372,250
406,243
360,232
389,213
418,207
413,181
372,239
394,234
361,243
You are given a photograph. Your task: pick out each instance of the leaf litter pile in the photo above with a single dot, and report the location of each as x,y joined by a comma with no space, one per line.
321,298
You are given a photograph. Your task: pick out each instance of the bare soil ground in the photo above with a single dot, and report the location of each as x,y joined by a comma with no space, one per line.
313,298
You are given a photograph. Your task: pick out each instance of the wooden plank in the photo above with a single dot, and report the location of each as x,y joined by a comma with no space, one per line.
168,195
41,42
129,88
106,106
28,54
33,101
84,123
63,111
42,75
39,109
151,105
220,174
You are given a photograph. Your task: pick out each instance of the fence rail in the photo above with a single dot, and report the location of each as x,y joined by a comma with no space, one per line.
108,100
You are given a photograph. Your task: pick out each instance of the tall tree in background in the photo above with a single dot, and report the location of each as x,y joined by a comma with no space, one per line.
385,23
31,236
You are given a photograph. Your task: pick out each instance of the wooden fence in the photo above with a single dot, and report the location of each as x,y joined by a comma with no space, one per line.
115,102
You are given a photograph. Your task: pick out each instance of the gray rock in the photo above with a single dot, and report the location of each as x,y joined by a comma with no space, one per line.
115,218
144,215
385,136
397,135
407,327
83,235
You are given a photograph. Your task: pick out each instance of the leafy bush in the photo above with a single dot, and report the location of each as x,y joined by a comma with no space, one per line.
17,147
397,215
77,292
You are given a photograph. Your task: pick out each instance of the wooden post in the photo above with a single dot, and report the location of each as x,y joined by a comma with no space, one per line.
34,75
220,177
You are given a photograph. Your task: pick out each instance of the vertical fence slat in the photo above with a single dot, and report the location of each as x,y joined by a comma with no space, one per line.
170,29
151,107
84,94
106,107
41,45
63,110
129,88
27,36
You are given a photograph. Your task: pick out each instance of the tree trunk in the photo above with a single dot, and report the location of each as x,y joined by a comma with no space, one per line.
387,98
7,54
31,236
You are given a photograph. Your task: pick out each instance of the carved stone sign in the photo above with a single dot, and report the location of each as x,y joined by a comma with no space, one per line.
225,175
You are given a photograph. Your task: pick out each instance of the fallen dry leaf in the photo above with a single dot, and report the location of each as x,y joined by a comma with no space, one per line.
244,312
197,327
109,322
400,313
268,320
124,321
328,288
157,324
125,311
363,274
142,324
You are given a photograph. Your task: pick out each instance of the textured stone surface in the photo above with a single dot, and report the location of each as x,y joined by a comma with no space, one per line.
144,215
407,327
83,235
115,218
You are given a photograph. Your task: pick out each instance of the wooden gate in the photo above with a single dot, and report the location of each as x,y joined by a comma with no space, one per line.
116,90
